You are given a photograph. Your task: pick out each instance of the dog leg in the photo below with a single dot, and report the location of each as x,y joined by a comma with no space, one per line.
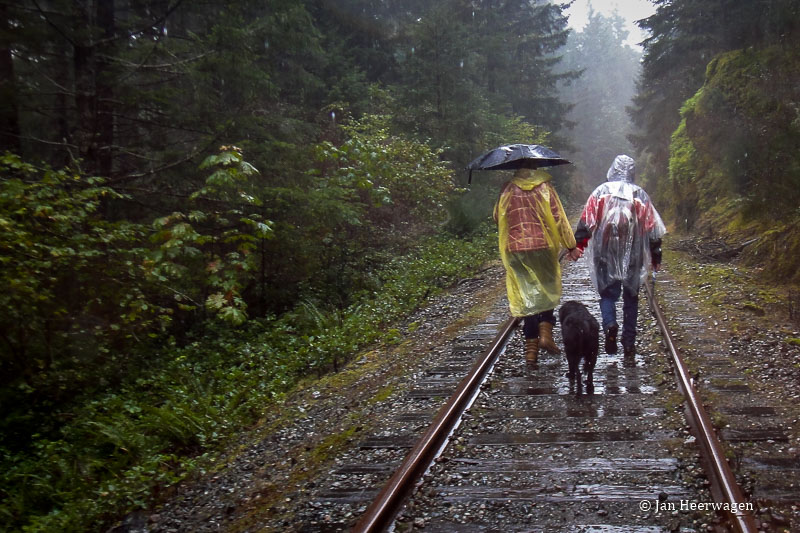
573,367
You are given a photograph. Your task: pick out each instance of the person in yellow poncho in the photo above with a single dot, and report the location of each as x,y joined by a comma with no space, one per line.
532,228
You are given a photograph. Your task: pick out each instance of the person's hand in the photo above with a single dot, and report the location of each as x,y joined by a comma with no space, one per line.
575,254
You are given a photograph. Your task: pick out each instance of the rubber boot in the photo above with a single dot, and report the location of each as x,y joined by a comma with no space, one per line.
532,352
546,338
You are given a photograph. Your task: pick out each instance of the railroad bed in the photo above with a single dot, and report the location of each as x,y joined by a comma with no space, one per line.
531,455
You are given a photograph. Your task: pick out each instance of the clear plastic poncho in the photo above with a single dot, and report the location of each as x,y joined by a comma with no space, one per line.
622,221
532,228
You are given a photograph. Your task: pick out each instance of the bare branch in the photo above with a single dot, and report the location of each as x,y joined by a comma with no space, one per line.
157,124
153,67
155,22
44,141
51,23
174,164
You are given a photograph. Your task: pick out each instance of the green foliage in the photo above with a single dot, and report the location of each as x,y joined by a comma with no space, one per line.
74,283
470,210
684,36
215,260
734,164
119,448
739,138
365,199
682,187
398,180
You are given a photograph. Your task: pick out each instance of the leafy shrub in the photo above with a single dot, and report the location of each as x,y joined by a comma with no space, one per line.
117,450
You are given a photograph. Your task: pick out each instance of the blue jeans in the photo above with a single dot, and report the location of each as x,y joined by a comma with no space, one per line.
630,309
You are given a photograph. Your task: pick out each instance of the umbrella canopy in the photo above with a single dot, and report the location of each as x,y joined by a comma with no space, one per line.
513,156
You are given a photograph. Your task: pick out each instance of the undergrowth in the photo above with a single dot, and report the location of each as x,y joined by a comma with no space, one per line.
111,454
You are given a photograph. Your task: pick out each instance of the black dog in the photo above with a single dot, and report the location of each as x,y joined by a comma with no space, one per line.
581,334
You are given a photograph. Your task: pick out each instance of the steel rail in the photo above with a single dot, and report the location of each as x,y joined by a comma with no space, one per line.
724,488
381,513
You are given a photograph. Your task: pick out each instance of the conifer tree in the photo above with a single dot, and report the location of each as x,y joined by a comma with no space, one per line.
685,35
609,71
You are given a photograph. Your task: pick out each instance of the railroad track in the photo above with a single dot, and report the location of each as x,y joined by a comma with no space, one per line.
531,455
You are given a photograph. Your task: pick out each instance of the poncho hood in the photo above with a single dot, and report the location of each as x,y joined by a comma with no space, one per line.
622,169
526,178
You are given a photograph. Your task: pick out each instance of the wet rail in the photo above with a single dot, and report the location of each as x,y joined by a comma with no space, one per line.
383,510
724,487
529,454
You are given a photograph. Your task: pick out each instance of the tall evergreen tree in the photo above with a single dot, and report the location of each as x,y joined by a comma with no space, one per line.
519,41
139,90
684,36
467,64
438,95
71,71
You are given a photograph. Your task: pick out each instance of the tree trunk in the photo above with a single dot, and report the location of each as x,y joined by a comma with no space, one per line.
9,119
104,130
94,90
83,64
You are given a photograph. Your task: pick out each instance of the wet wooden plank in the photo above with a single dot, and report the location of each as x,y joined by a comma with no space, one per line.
443,526
777,494
569,493
757,411
575,412
393,442
727,387
754,435
546,437
433,392
375,468
594,464
770,463
348,496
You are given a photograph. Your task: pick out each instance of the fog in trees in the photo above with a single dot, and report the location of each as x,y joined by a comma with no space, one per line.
609,70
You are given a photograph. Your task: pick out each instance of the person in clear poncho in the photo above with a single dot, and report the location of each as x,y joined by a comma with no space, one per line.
623,232
532,228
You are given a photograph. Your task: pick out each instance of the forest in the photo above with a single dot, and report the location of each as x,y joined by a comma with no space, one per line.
204,203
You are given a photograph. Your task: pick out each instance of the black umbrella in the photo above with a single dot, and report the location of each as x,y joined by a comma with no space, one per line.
513,156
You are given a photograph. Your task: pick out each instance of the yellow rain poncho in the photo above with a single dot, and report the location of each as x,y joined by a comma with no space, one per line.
532,228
